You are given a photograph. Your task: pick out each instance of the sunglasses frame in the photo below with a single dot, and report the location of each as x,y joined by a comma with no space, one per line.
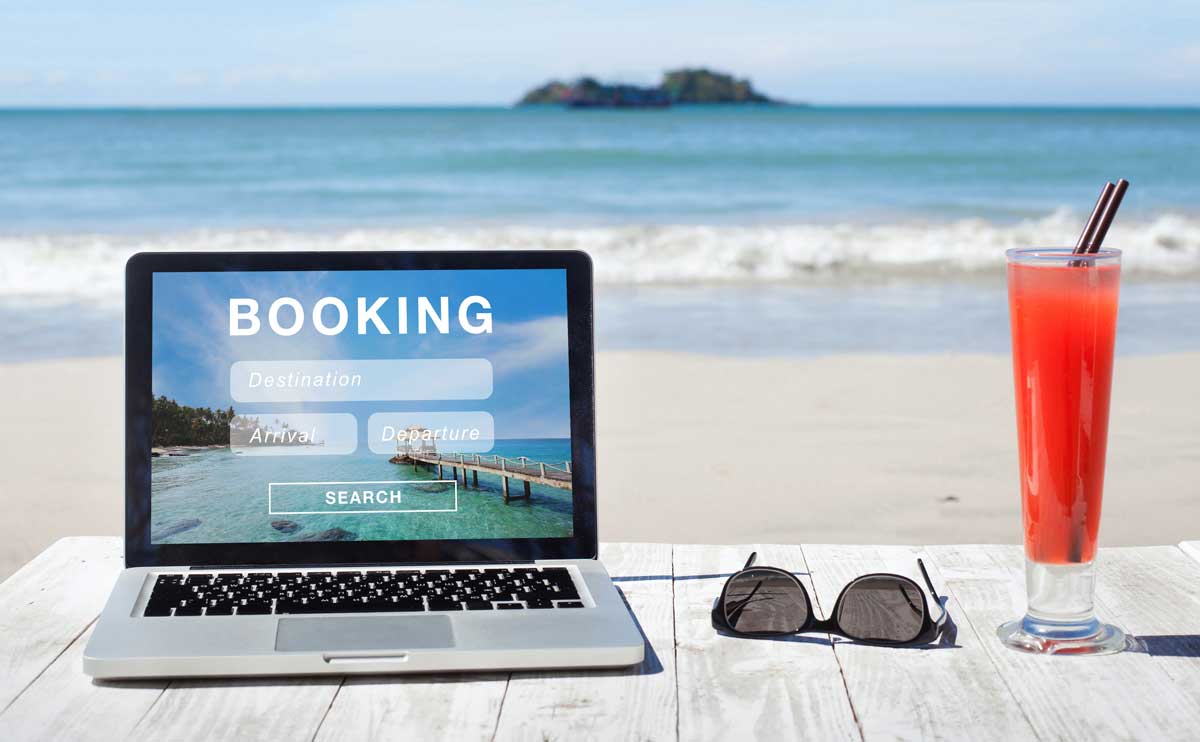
930,628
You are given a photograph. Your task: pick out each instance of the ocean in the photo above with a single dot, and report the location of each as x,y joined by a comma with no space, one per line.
746,230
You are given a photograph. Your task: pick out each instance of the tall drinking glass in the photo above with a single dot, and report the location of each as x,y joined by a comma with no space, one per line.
1063,313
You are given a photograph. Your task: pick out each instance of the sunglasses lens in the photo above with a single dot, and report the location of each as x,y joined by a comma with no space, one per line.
763,601
882,608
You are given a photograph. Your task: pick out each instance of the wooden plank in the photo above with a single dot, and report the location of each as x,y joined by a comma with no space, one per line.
732,688
48,603
245,709
1154,593
451,707
64,704
948,690
637,703
1191,548
1123,696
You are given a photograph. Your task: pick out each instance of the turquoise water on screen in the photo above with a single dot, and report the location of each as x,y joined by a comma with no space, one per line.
214,496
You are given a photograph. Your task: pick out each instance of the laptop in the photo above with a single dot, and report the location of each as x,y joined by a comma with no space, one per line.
359,463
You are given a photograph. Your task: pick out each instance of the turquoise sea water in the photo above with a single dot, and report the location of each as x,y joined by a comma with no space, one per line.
147,169
213,496
836,222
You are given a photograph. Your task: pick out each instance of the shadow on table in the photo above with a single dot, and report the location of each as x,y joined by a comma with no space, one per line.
1167,645
651,664
222,682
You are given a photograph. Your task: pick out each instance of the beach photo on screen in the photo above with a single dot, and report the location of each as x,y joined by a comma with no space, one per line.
360,405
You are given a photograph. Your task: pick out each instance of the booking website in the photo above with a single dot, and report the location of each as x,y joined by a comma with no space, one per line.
360,405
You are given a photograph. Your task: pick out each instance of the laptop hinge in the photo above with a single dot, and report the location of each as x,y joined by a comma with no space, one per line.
356,565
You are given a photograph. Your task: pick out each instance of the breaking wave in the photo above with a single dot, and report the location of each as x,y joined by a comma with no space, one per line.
88,267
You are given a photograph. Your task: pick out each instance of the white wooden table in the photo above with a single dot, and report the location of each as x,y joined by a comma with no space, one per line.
693,684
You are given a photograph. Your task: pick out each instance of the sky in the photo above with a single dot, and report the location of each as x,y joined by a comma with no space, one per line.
270,52
193,348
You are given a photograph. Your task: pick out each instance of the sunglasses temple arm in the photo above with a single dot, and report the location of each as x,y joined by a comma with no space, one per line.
750,561
929,583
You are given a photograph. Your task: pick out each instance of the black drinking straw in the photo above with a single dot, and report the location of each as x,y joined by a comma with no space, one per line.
1106,218
1089,229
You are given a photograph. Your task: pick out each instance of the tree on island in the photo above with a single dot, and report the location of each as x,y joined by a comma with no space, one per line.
180,425
683,86
706,86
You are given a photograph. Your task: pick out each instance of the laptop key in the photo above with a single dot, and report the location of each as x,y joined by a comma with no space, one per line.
509,606
406,605
570,604
288,605
415,603
189,608
359,606
254,609
479,605
565,592
161,608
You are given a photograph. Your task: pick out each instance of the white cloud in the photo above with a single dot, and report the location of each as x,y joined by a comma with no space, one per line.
513,346
208,330
524,345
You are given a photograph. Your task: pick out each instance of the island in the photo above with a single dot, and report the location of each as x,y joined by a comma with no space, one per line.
178,429
678,87
176,425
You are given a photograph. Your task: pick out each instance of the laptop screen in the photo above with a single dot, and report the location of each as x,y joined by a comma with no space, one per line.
373,405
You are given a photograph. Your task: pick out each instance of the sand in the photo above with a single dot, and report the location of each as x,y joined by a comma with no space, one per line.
692,448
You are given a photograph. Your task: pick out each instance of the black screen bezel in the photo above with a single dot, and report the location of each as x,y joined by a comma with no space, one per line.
141,552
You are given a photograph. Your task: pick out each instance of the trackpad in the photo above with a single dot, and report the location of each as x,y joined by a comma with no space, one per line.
361,633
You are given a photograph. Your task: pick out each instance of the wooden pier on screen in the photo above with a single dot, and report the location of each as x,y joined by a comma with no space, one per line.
521,468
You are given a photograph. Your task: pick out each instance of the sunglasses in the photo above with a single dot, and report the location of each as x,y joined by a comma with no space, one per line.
883,609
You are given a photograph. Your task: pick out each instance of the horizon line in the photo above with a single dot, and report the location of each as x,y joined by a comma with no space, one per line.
99,107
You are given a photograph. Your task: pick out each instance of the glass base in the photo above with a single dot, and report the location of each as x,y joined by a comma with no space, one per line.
1037,636
1060,618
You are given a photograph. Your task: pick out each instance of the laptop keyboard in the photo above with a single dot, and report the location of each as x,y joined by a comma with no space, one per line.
366,591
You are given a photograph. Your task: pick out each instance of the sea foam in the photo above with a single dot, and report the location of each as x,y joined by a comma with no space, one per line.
88,267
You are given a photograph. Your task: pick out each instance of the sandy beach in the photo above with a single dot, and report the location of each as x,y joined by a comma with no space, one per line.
693,448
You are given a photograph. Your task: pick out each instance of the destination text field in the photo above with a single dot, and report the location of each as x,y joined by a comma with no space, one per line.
361,380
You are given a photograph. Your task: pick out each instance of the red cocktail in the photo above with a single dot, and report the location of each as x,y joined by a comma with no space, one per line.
1063,312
